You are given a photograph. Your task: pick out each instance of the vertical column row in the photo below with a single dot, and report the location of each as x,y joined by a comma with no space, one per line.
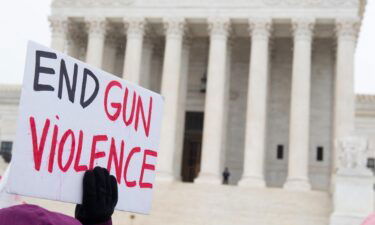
216,97
178,152
253,174
174,85
96,27
299,131
171,90
133,52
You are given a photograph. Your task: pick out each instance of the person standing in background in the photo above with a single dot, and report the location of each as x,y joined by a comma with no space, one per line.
226,175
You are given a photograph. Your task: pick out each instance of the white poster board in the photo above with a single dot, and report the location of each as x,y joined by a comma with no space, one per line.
73,117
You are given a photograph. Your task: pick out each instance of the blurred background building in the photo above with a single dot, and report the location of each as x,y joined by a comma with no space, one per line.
263,87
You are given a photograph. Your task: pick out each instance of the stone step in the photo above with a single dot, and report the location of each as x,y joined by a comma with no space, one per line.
198,204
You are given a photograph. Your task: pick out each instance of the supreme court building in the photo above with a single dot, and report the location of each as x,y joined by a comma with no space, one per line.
263,87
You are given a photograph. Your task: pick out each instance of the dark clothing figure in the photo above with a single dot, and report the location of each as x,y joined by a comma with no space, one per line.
226,175
98,204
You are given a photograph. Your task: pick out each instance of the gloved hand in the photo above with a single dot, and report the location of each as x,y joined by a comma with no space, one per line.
99,197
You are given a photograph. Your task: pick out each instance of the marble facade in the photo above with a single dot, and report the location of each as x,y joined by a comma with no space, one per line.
279,78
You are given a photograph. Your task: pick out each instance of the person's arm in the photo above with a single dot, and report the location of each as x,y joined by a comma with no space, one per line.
99,198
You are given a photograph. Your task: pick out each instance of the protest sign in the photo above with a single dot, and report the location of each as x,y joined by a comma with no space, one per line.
73,117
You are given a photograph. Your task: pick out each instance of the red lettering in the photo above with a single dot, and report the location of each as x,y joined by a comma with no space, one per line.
125,104
116,106
113,157
146,166
38,149
77,167
94,153
68,133
137,109
131,153
146,125
53,148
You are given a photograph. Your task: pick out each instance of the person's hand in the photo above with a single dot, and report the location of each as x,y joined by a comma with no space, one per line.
99,197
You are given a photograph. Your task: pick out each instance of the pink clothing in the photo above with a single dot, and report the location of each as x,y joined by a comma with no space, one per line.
370,220
34,215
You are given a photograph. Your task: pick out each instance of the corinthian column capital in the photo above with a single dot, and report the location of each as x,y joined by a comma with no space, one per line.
218,26
347,28
260,28
174,27
96,26
135,26
59,25
303,28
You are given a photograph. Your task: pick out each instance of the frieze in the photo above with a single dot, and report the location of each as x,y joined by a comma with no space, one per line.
217,3
91,3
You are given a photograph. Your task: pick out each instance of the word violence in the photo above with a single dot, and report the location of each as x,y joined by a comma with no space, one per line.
115,153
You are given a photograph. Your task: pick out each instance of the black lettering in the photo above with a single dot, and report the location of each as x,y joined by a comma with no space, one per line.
85,103
39,69
64,76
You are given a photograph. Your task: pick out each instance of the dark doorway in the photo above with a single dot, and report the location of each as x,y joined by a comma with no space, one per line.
191,156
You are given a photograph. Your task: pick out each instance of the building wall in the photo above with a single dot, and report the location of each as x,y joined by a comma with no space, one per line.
321,112
321,101
237,108
278,104
278,111
198,67
9,98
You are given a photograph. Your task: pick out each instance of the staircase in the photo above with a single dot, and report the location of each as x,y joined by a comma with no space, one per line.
197,204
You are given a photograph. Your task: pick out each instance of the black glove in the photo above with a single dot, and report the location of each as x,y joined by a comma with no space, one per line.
99,197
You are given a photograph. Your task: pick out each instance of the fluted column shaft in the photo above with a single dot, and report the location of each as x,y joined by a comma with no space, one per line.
171,90
215,103
133,51
253,174
59,32
298,161
185,55
96,35
344,105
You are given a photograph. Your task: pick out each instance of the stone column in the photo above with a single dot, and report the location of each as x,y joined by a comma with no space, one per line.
171,90
298,162
215,102
59,27
253,174
96,35
185,55
344,105
133,50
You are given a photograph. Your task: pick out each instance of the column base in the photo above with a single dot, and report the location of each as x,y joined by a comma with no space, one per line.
296,184
164,177
208,179
252,181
